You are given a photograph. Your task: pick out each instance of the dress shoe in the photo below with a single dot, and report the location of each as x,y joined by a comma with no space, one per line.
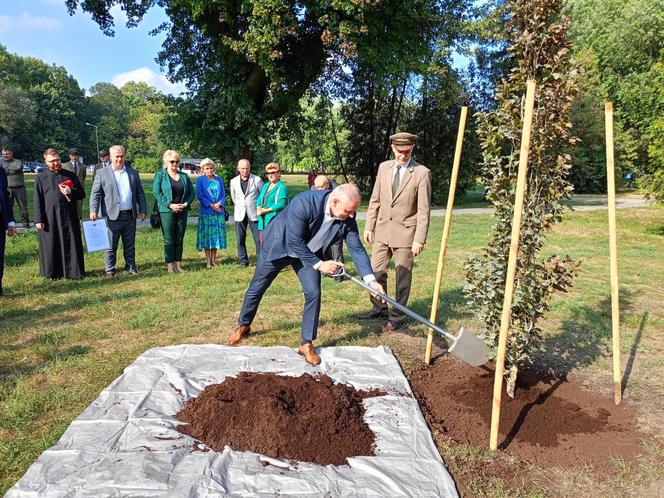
390,326
310,356
132,271
372,314
110,274
238,333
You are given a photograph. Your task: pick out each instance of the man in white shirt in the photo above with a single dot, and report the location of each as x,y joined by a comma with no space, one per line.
119,187
244,191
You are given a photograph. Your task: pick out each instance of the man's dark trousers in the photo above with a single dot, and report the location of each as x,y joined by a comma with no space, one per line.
241,235
19,195
124,227
265,273
3,236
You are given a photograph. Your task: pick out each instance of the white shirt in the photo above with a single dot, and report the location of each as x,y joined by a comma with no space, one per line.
327,222
124,188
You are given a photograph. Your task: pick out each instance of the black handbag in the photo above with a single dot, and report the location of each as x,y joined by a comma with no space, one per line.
155,218
225,214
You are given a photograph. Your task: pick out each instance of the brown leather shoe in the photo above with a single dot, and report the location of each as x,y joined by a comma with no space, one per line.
238,333
310,356
390,327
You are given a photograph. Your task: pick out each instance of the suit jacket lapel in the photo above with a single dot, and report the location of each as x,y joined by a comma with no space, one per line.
408,174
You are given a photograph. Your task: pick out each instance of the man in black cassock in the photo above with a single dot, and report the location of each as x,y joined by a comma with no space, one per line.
56,220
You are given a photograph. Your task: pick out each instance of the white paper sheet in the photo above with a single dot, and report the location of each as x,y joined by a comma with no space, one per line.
96,235
125,442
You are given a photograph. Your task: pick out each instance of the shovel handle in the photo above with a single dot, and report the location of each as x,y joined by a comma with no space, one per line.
342,273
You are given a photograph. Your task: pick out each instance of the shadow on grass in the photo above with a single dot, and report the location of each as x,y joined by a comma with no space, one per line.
452,306
584,336
632,352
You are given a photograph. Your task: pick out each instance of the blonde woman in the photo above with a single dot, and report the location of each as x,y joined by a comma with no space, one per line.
173,193
272,199
211,223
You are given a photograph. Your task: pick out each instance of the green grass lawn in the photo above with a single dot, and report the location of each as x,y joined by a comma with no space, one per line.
62,342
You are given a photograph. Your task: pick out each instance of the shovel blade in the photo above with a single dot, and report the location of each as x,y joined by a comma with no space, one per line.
470,349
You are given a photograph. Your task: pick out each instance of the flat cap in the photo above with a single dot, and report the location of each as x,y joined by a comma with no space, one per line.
73,151
103,152
403,138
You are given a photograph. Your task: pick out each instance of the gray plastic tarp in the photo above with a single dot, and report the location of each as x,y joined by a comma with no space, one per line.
125,442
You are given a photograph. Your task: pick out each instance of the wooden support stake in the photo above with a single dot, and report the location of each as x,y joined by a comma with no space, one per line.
446,230
511,263
613,252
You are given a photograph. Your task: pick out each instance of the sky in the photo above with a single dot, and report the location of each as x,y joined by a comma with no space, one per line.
43,29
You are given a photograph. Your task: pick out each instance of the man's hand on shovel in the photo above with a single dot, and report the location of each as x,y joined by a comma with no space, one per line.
378,288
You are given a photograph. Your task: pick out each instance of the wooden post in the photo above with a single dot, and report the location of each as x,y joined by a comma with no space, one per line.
613,252
511,263
446,230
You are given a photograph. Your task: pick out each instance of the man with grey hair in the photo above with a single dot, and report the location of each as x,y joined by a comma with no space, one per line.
245,188
299,237
117,189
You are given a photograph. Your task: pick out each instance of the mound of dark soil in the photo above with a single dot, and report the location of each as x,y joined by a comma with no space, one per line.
296,418
550,421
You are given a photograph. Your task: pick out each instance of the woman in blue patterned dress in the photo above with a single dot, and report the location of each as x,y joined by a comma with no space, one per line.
211,222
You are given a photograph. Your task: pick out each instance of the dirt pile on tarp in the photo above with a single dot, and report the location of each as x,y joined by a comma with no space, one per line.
296,418
550,421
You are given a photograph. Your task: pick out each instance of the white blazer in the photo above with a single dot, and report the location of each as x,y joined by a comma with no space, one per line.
245,203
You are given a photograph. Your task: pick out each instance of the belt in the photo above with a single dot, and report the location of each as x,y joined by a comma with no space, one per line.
126,211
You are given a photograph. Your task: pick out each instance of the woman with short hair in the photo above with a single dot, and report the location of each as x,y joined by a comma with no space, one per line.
174,193
211,233
272,199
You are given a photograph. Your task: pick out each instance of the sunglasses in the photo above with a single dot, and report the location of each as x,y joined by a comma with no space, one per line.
273,172
173,162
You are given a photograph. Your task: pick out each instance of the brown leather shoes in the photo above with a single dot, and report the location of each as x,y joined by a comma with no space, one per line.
310,356
390,327
238,333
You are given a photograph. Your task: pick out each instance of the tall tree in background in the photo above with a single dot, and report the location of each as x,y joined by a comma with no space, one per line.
537,35
627,38
59,104
247,64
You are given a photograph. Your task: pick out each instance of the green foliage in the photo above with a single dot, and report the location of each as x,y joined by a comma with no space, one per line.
54,104
588,173
537,35
627,37
314,138
144,164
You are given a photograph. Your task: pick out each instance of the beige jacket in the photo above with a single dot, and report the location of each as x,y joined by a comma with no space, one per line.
400,221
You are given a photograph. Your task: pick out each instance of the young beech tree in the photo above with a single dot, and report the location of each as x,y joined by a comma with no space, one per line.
537,34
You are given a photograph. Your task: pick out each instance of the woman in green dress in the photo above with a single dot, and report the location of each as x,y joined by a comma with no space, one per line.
272,199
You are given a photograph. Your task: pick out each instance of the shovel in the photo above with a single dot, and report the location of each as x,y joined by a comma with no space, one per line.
465,346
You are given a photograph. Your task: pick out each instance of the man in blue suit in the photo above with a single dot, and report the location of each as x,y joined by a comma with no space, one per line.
6,220
298,237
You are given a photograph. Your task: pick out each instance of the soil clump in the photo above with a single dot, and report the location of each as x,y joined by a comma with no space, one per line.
304,418
552,422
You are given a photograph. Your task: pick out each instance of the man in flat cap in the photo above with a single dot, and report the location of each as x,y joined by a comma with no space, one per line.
76,166
15,182
397,224
104,160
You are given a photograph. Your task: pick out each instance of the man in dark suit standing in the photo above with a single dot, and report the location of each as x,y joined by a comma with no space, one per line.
104,160
76,166
6,220
119,192
16,181
298,237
